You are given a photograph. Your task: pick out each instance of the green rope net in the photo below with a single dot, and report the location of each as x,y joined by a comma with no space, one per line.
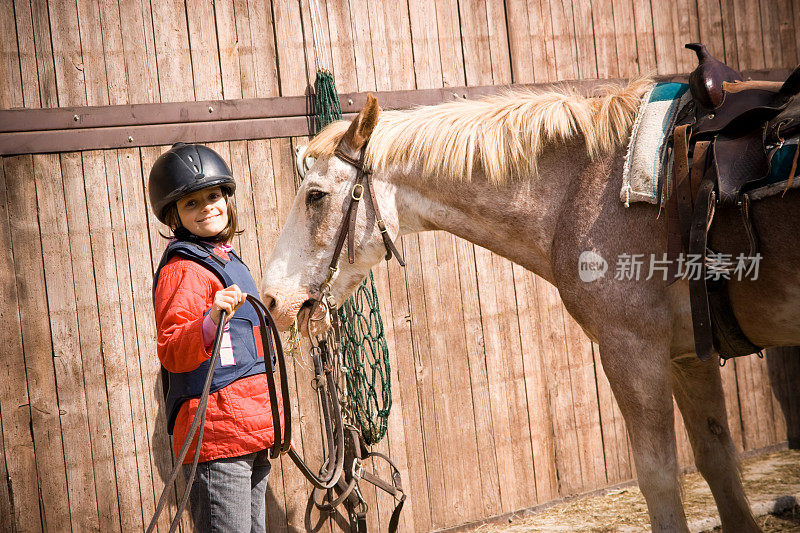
365,361
365,356
326,99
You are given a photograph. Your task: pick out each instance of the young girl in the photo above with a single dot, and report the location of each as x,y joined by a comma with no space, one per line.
191,191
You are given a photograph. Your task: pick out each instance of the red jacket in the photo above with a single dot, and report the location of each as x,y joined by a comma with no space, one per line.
239,416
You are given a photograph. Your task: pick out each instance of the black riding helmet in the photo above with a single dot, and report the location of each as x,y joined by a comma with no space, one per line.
183,169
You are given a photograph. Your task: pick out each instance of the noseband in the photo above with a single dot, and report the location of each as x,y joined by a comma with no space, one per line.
362,186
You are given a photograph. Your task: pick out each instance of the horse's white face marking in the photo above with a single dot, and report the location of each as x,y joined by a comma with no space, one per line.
299,263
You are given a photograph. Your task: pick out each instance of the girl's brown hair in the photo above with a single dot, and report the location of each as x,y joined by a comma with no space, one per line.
225,236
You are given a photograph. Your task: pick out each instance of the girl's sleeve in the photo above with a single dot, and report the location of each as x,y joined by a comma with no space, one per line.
184,293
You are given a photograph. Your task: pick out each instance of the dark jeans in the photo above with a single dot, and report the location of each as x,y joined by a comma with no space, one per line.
229,494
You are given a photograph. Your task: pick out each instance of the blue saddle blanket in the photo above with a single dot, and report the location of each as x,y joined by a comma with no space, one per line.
648,158
647,173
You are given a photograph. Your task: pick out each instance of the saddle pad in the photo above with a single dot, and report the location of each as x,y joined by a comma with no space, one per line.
647,157
781,159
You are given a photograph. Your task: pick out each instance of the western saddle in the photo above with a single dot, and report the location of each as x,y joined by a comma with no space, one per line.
723,144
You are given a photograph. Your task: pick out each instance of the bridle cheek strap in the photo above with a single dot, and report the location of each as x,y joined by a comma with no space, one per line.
355,197
391,249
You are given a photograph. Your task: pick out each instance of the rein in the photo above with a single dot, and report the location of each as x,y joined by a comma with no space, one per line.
199,421
326,389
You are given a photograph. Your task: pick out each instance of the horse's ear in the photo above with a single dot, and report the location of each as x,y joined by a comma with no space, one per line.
361,128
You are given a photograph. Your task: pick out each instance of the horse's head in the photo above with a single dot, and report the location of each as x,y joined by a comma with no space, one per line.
294,277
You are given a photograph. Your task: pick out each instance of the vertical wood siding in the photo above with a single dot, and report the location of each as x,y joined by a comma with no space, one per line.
500,401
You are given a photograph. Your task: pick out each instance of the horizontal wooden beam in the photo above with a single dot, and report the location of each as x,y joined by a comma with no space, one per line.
68,129
34,142
72,118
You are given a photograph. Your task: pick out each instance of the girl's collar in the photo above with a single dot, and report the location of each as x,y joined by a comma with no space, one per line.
224,247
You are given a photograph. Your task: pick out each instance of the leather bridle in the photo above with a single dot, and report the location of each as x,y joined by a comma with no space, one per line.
347,482
361,187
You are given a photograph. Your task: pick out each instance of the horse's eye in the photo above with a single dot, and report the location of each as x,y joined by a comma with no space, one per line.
315,196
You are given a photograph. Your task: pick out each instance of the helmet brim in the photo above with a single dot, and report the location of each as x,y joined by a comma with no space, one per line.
225,182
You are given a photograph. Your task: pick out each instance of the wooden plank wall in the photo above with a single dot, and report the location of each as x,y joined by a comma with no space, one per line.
500,402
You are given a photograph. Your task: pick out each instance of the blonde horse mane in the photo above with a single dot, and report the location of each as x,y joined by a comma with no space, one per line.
502,135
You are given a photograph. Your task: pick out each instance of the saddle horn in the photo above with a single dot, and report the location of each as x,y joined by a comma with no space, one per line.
706,80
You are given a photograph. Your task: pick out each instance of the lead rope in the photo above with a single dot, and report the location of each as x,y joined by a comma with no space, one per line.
199,420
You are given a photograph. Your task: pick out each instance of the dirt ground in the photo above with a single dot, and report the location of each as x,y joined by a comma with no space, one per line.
772,483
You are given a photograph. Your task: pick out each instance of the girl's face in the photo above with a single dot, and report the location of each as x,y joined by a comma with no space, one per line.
204,212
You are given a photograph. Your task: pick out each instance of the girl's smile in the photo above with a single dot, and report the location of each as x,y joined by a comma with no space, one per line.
204,212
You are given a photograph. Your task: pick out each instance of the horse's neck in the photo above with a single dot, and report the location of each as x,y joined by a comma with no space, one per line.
516,220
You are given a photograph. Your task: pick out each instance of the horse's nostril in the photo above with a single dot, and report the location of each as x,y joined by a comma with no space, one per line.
269,303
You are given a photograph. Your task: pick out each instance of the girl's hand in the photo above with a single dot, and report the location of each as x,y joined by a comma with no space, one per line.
227,300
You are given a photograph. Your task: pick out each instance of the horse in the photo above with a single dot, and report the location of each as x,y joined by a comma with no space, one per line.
535,177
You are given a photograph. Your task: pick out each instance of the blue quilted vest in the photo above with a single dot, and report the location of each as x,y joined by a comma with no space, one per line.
241,354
